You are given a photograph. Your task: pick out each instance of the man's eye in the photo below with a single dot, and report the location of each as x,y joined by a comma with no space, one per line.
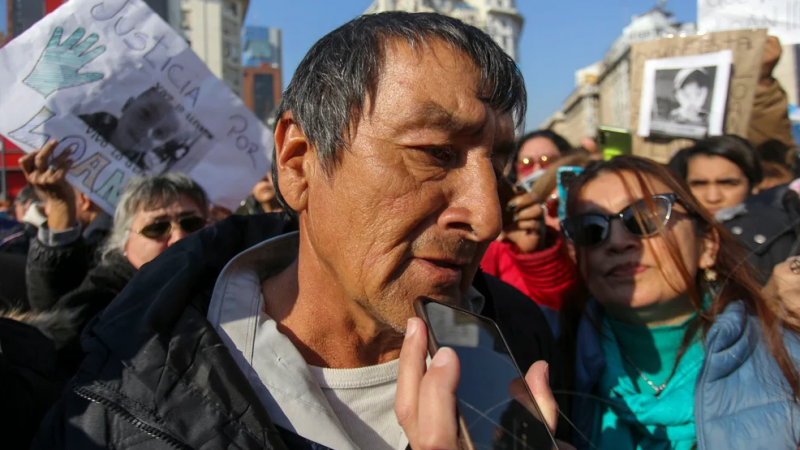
730,182
442,154
698,183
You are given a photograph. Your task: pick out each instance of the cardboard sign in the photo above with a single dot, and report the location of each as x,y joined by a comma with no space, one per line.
125,95
780,17
748,49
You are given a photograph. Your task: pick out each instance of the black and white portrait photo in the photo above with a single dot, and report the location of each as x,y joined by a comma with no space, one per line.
685,97
147,130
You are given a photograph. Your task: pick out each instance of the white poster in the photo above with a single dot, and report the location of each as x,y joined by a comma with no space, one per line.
685,96
124,93
781,17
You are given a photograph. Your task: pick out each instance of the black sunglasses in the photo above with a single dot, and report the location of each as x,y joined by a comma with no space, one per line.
589,230
158,230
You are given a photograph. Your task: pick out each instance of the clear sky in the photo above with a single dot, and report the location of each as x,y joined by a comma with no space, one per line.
559,36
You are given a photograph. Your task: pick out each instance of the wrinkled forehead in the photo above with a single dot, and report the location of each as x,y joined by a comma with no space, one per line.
611,192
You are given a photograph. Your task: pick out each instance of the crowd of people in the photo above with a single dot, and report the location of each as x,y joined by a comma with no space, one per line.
652,306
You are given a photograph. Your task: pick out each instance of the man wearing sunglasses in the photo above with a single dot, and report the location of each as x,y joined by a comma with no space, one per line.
232,339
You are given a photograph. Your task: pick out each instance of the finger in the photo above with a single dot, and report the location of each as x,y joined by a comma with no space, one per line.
81,48
55,40
73,40
43,156
89,57
437,425
523,201
534,211
28,164
410,373
531,226
538,379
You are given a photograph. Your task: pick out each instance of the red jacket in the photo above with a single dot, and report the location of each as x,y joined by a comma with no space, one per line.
546,276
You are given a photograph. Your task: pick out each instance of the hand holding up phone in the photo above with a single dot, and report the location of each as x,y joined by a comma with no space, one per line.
527,228
426,398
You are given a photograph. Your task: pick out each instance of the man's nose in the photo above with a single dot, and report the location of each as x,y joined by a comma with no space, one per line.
474,203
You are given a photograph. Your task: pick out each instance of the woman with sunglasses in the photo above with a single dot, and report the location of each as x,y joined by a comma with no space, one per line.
675,348
153,213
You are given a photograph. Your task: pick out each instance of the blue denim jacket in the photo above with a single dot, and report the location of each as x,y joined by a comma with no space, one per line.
742,401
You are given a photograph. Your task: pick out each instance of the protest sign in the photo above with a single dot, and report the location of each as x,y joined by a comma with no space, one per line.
748,49
780,17
124,93
685,96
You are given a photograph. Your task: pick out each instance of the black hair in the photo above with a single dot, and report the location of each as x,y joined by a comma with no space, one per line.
731,147
327,92
775,151
25,195
559,141
697,77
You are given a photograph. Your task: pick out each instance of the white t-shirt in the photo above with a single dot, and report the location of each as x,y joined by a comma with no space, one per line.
363,400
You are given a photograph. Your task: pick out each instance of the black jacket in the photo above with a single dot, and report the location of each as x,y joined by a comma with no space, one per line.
53,272
30,378
99,288
158,376
767,233
17,239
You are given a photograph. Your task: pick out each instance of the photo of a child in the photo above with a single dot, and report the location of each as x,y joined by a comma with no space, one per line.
685,96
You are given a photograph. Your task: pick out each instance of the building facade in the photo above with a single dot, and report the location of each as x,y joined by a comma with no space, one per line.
262,56
498,18
213,29
602,90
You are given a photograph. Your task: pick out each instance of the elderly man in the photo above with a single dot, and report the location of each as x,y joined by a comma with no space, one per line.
389,140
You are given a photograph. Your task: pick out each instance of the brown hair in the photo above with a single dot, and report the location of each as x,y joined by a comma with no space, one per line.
737,278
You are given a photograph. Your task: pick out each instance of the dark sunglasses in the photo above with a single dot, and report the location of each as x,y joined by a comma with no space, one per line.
589,230
158,230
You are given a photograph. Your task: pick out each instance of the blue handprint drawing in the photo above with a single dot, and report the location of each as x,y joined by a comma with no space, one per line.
59,65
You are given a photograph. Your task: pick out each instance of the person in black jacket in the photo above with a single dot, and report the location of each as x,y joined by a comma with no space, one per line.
724,173
16,240
154,212
65,248
233,340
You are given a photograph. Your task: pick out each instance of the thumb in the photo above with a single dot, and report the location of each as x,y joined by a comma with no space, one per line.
538,379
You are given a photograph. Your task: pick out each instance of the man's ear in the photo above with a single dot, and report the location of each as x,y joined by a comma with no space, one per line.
708,256
294,159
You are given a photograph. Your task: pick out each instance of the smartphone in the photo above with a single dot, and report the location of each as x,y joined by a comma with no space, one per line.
564,178
614,141
491,392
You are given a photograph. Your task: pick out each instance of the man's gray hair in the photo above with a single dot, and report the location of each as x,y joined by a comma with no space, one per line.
146,193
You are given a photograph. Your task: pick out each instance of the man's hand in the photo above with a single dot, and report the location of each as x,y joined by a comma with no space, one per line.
527,229
426,399
784,285
59,65
49,180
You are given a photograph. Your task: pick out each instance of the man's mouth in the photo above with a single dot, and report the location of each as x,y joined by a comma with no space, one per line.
443,271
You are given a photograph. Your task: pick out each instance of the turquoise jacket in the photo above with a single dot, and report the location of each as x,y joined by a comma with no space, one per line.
742,401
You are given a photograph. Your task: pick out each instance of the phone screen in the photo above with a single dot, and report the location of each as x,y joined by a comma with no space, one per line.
490,382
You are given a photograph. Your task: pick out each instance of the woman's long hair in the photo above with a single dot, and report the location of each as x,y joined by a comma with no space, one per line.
736,278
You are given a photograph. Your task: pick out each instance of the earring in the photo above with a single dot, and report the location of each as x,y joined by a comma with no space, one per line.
710,275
